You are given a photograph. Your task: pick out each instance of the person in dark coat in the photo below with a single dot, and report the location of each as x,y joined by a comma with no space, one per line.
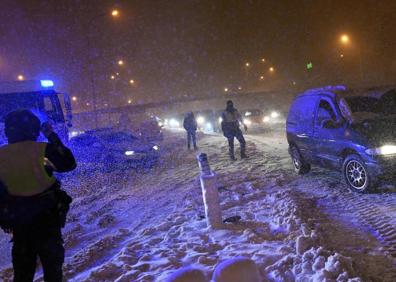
190,125
32,205
231,120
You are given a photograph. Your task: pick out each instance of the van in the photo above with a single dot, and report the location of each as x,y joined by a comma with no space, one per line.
346,130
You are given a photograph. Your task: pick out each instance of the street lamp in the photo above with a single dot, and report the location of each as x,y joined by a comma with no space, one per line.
131,81
225,89
21,77
114,14
120,62
262,77
263,60
112,77
129,101
271,69
247,64
74,98
344,39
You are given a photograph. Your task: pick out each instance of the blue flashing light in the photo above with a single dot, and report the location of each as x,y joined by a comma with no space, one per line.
47,83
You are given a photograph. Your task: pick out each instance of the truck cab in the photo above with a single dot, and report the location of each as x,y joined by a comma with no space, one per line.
42,99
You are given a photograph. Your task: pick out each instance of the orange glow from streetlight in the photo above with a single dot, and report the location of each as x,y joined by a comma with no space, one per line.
271,69
225,89
263,60
341,55
21,77
112,77
120,62
239,87
247,64
344,39
115,13
132,81
262,77
129,101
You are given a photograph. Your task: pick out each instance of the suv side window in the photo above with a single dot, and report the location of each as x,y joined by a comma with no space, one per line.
325,111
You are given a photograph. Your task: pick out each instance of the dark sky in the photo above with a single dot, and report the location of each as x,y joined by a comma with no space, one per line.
176,48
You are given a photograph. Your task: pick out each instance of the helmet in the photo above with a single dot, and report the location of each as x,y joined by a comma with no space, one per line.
21,125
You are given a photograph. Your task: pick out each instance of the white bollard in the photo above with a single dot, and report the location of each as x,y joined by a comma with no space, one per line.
210,193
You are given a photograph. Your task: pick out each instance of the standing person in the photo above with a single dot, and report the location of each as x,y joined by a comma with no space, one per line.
190,125
231,119
32,205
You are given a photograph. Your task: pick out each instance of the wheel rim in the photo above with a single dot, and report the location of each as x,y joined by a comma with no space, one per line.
356,175
296,160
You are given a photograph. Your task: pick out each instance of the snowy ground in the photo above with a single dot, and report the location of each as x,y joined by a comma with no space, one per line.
141,226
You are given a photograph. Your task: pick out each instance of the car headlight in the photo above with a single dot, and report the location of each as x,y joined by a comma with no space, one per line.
200,120
384,150
156,147
129,153
174,123
274,114
247,121
266,119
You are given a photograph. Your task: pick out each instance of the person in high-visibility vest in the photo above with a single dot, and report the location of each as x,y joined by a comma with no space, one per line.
32,205
231,120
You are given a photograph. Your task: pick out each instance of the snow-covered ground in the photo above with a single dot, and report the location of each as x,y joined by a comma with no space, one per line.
142,226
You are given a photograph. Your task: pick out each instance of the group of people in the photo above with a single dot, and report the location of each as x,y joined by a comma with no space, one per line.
33,206
231,120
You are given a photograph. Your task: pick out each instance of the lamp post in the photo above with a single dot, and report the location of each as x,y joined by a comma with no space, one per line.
345,40
114,13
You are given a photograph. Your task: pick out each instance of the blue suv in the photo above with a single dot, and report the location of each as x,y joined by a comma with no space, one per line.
346,130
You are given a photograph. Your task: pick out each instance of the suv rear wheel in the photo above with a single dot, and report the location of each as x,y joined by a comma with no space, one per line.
300,166
356,174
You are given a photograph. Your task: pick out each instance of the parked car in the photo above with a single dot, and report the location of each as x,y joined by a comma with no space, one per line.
253,118
335,128
114,149
208,120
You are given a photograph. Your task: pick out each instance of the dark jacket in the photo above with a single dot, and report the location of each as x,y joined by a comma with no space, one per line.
189,123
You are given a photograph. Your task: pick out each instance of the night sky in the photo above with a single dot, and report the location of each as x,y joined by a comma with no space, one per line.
174,49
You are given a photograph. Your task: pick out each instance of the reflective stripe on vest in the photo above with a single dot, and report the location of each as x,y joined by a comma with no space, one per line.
22,168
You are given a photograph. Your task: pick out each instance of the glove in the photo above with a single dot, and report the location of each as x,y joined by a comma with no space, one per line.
46,129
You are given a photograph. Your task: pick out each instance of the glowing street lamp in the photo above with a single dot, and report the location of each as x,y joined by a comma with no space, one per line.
129,101
225,89
112,77
247,64
262,77
74,98
239,87
131,81
344,39
271,69
120,62
263,60
21,77
115,13
341,55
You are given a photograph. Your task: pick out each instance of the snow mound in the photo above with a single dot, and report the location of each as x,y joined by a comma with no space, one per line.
239,269
187,274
